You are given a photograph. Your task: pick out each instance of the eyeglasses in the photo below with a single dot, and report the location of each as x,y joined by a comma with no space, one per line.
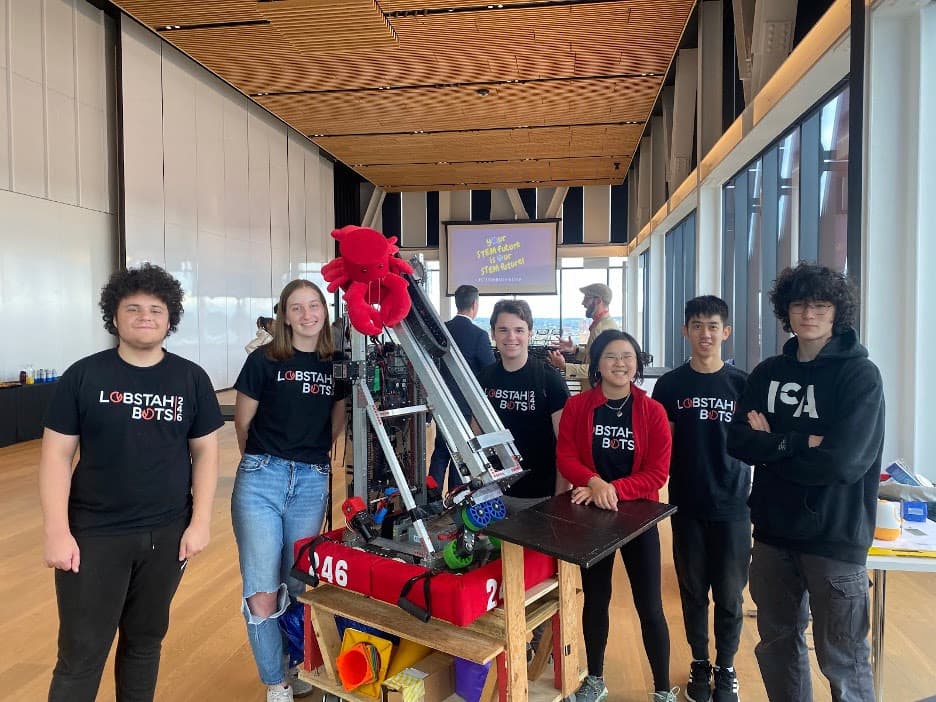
622,357
820,309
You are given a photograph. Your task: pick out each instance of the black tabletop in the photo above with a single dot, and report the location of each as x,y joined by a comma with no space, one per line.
576,533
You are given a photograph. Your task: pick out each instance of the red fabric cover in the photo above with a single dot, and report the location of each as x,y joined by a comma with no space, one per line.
456,598
338,564
459,599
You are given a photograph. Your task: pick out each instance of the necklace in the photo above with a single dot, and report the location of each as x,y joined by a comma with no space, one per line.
620,408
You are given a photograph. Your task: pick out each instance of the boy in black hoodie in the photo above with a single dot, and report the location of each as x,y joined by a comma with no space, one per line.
811,421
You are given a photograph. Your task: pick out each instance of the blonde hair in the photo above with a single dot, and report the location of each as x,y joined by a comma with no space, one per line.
281,348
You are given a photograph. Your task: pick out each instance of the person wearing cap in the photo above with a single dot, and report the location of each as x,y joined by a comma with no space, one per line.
595,300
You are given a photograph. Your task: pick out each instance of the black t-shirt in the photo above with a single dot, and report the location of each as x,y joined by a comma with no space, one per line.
705,481
613,439
133,424
293,419
525,401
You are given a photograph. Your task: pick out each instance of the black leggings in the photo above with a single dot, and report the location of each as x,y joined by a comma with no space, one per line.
642,561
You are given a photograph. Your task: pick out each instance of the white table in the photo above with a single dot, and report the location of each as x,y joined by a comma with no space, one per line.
879,565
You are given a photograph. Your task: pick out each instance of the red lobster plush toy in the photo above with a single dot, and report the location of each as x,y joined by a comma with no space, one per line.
370,274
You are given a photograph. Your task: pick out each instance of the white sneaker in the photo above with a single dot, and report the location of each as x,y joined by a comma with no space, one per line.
300,687
278,693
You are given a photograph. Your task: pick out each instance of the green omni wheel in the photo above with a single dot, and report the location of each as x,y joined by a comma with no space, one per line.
454,558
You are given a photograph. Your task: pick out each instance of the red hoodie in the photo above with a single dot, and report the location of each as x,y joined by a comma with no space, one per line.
652,443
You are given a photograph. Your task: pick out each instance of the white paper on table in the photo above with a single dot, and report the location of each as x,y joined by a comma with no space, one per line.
909,541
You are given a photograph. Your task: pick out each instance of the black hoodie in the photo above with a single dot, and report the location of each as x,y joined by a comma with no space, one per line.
818,500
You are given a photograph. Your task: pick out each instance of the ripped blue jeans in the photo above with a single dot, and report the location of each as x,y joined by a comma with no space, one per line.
275,502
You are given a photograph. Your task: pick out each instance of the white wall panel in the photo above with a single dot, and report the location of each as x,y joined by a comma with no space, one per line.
596,207
414,219
258,175
28,138
326,189
91,30
318,247
295,163
26,38
209,154
4,28
279,189
144,213
500,205
60,46
240,323
259,285
63,148
236,200
59,288
179,142
5,165
236,205
212,308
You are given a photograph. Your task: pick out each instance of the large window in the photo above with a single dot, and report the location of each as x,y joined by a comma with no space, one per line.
788,204
643,298
562,315
679,258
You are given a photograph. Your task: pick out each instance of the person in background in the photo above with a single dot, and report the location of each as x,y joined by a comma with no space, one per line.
614,444
287,414
811,421
475,346
528,396
264,334
712,528
120,526
595,300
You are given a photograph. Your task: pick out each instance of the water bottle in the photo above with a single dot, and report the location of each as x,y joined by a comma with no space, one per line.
54,377
30,375
40,376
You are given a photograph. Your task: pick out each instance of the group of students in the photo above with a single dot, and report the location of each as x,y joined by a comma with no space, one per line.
137,505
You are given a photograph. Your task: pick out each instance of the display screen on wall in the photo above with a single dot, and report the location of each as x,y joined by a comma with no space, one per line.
502,258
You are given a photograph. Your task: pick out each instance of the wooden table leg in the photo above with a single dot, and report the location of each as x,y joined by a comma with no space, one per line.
515,610
569,622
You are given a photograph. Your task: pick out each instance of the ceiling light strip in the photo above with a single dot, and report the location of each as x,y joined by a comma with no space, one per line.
476,129
470,84
493,6
209,25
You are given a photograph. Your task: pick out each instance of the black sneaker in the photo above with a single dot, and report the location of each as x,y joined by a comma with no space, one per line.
699,687
726,685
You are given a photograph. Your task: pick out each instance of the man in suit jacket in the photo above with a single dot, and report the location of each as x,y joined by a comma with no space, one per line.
475,346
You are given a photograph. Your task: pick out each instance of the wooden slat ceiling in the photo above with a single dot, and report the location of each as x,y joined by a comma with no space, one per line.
444,94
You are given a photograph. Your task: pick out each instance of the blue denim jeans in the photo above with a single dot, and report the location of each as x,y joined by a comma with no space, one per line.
275,503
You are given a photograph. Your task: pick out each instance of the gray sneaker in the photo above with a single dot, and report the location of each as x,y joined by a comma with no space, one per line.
299,686
665,696
592,689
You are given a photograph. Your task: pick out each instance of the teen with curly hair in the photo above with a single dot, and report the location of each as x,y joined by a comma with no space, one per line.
287,414
614,444
120,527
811,421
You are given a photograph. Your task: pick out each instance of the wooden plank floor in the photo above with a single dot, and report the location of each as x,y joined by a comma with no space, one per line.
206,656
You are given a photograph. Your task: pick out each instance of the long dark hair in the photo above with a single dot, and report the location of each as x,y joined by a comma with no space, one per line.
281,348
601,343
